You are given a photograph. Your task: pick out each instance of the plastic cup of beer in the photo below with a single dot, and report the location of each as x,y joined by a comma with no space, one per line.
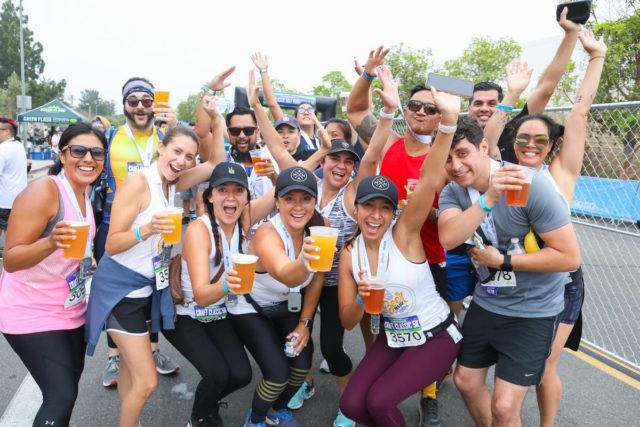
374,303
409,187
174,215
161,96
519,198
77,246
245,266
326,238
257,156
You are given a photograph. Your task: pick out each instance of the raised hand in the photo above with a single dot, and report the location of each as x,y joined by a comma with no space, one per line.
252,89
208,104
594,47
260,60
567,25
218,81
447,104
325,138
164,112
518,75
375,59
389,91
357,66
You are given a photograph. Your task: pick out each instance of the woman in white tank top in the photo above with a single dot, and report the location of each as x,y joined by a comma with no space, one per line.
134,240
417,324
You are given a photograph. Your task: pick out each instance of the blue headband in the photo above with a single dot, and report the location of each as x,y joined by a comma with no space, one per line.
136,86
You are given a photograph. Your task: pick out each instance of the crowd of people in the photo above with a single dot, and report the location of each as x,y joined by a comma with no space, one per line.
424,213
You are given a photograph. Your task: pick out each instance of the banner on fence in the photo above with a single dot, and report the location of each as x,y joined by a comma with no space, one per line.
607,198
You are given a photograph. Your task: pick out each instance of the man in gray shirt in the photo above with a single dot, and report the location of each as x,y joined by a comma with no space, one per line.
513,318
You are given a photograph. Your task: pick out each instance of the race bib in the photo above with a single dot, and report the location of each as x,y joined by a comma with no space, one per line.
161,268
210,313
76,283
133,167
404,332
502,279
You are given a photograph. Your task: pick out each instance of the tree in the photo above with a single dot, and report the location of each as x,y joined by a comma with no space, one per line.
187,109
45,90
8,106
10,46
333,84
408,65
92,104
566,90
484,59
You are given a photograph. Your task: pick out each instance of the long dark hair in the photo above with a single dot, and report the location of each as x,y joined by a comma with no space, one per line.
214,223
67,136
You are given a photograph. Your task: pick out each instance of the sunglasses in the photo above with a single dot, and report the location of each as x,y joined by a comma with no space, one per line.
79,151
133,102
415,106
248,131
303,110
540,141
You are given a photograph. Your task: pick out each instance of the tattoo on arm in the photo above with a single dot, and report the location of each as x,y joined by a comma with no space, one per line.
366,127
578,99
504,119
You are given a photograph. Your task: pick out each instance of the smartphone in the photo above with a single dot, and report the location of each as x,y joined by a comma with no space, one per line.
452,85
579,11
482,272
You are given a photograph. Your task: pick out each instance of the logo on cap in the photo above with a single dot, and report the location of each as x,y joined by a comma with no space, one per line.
345,144
299,175
285,119
231,170
380,183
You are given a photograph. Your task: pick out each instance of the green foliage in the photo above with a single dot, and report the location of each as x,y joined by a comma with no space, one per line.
408,65
8,107
45,90
187,109
621,75
333,84
484,59
565,92
91,104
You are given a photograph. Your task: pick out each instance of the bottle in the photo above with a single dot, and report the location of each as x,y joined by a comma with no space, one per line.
515,248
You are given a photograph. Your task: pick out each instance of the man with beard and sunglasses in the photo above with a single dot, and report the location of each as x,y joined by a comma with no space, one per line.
131,149
403,156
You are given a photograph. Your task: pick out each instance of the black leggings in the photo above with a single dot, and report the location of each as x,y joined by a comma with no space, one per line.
55,360
332,333
282,375
216,352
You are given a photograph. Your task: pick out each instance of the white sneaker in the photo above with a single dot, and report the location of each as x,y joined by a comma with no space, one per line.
324,367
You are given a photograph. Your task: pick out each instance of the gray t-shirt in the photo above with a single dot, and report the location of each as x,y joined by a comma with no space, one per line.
535,294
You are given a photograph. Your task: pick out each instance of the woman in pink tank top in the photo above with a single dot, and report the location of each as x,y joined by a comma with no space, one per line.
42,293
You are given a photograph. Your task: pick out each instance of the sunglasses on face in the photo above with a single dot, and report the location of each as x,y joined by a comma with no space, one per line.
303,110
133,102
79,151
540,141
248,131
415,106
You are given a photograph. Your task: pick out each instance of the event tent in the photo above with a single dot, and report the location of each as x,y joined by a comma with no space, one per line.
52,112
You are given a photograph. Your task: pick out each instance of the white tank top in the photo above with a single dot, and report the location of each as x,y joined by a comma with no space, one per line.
268,291
139,256
410,291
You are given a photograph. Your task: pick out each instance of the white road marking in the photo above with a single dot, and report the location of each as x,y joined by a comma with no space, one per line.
24,405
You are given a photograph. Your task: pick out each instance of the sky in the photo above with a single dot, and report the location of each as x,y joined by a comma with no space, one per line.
180,45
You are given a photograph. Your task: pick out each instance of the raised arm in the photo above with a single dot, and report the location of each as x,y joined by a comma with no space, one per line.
262,63
314,160
407,230
518,76
551,76
358,106
565,167
203,126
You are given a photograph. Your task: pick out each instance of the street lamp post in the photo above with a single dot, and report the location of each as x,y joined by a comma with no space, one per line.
24,88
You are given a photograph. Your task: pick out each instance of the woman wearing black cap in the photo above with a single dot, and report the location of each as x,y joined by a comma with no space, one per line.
418,325
203,334
275,313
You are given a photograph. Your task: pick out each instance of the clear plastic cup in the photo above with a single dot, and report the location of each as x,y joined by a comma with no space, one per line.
326,238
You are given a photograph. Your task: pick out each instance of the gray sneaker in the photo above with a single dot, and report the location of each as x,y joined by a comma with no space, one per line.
110,374
429,413
164,365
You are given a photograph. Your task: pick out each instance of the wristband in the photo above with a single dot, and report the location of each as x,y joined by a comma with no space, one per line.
505,108
389,116
447,130
207,89
224,285
359,300
366,76
263,70
138,234
596,57
483,204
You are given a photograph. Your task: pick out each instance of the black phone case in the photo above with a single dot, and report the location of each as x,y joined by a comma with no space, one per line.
579,11
482,272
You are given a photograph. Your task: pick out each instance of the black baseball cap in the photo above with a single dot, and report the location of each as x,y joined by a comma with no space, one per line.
289,121
296,178
342,146
377,186
228,172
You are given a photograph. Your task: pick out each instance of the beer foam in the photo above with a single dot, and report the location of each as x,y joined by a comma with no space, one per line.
77,223
244,259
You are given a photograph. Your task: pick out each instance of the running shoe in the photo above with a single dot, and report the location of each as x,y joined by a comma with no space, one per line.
186,220
306,391
429,412
282,418
324,367
164,365
193,215
199,422
248,423
342,421
110,373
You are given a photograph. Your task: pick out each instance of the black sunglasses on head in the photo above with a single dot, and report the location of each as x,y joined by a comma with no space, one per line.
415,106
79,151
248,130
133,102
